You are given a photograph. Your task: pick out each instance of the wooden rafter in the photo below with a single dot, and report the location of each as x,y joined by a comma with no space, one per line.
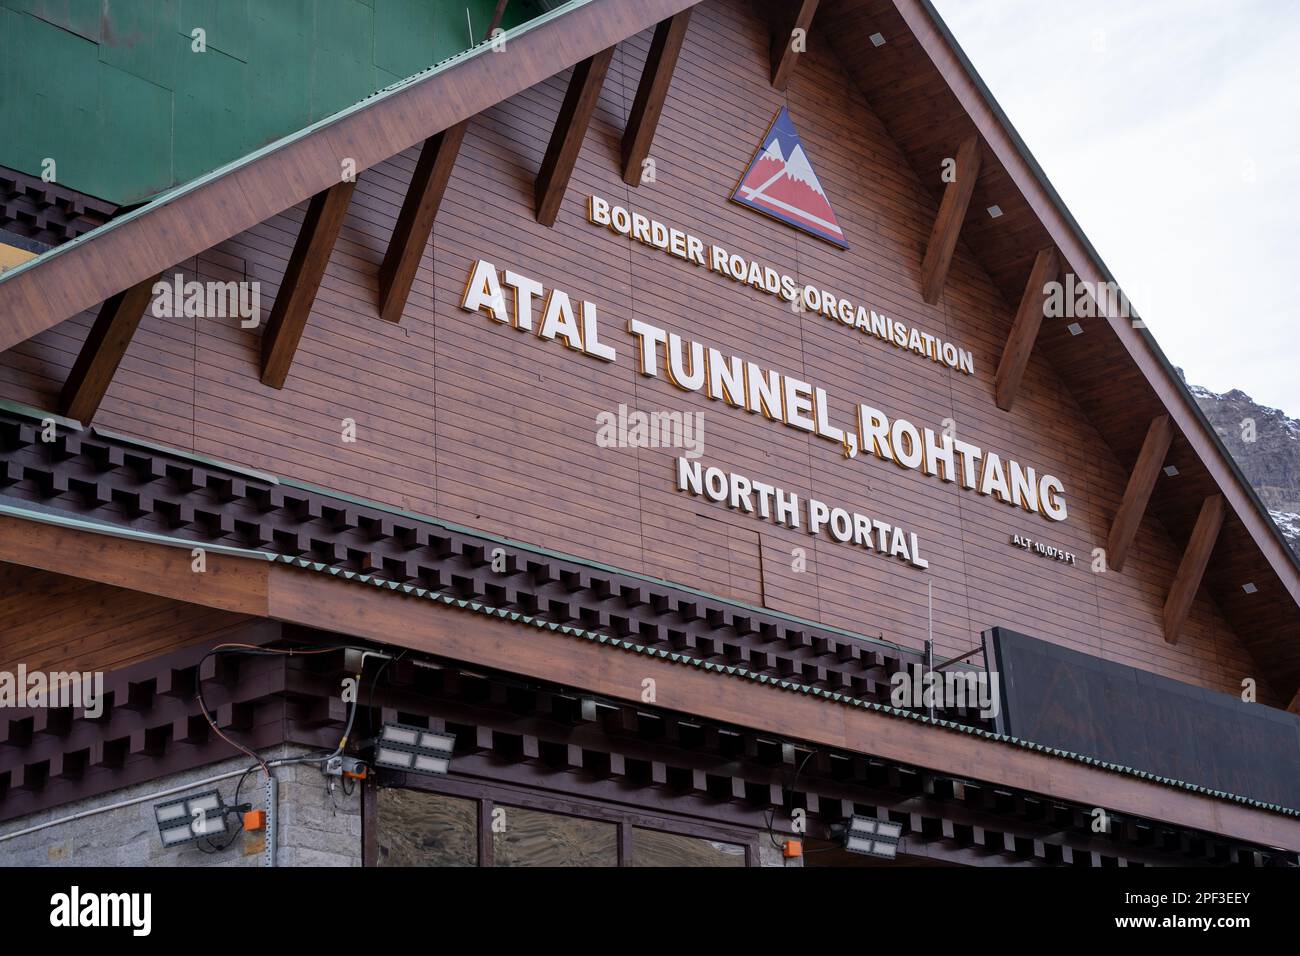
311,254
415,221
102,351
947,224
1137,493
1192,568
420,207
570,130
656,77
786,41
1024,330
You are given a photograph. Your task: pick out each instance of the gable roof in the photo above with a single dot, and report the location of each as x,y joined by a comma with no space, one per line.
1116,372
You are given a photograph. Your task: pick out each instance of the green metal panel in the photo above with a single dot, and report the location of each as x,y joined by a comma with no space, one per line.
113,91
79,17
404,35
135,110
138,39
224,23
343,69
209,113
280,52
56,111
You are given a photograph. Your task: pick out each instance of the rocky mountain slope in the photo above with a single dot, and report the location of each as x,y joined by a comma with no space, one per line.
1266,444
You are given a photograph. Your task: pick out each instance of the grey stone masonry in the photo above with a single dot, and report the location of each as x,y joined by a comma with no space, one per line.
318,825
769,855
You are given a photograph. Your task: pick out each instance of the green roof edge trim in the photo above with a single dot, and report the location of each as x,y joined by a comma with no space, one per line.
8,507
197,459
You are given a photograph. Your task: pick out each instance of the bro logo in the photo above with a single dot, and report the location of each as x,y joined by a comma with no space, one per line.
780,183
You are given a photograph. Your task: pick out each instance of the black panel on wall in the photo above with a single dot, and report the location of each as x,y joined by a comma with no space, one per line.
1062,698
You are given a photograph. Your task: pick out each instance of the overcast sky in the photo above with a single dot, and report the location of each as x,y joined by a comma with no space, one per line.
1171,128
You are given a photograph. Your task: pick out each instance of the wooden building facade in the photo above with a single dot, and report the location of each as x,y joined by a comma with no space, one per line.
415,448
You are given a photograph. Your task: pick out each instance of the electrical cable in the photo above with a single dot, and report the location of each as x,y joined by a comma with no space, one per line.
255,651
370,703
771,811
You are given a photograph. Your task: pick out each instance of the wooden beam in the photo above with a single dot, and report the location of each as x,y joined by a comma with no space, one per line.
570,129
102,351
784,37
1138,491
947,225
1024,330
420,207
656,77
415,221
1188,579
311,254
1294,706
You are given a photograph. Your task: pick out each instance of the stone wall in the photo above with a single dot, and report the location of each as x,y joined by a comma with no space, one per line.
316,827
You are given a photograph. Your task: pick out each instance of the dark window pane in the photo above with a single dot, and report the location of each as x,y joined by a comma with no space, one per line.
417,828
534,838
653,848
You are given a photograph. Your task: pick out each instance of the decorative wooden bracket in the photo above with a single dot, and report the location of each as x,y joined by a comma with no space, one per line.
947,225
1024,330
656,77
103,350
1138,491
570,129
415,221
785,56
311,254
1188,579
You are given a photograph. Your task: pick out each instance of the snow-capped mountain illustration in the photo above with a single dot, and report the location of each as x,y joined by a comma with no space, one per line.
781,183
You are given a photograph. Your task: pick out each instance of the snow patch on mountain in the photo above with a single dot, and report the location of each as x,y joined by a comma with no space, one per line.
1266,444
798,168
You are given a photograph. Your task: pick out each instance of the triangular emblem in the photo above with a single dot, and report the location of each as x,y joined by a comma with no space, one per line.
780,183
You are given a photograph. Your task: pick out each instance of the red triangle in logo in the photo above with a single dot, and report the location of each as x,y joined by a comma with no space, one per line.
780,183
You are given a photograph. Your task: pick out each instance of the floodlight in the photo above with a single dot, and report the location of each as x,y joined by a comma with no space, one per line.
413,749
190,818
872,837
